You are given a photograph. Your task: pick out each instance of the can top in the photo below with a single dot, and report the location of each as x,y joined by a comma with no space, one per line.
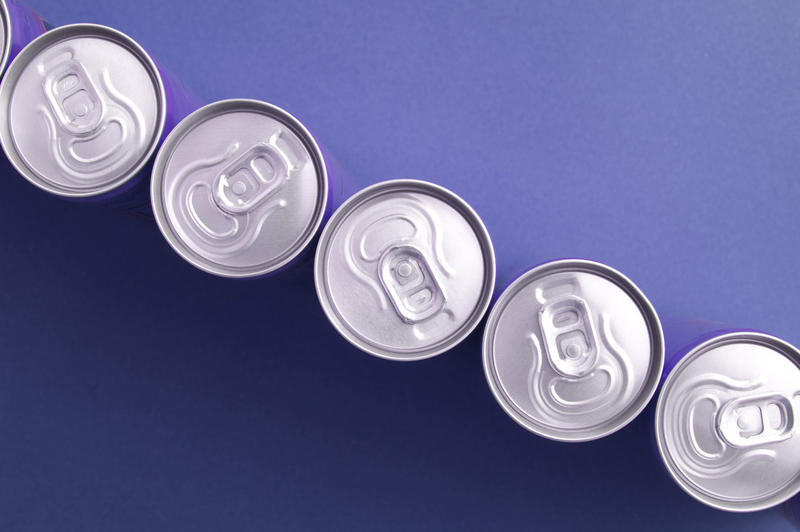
405,269
239,188
726,421
82,109
573,350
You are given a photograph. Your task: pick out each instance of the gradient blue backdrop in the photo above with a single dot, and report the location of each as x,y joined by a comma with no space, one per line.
137,394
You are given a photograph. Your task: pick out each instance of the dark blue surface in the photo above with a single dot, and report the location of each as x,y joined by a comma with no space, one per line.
139,394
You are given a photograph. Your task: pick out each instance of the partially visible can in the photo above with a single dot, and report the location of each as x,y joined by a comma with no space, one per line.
82,110
240,188
726,420
20,25
573,350
405,270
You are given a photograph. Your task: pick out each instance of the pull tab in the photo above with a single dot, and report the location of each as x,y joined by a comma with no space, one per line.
249,180
570,336
756,421
74,98
408,280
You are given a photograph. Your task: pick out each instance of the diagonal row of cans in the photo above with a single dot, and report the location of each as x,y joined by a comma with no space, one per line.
404,269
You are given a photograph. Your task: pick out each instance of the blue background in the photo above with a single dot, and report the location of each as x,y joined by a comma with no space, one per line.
659,137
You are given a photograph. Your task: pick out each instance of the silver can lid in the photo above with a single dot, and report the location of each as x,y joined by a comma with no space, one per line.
573,350
81,110
726,421
239,188
405,270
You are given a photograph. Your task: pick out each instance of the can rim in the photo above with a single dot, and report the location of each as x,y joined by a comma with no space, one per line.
454,201
173,140
5,20
650,384
36,46
744,336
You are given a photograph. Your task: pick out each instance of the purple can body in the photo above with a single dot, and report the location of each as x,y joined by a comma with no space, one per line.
181,101
134,196
682,335
22,25
340,187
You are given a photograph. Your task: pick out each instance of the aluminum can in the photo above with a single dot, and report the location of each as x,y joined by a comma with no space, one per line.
82,110
405,270
573,350
726,417
240,188
20,25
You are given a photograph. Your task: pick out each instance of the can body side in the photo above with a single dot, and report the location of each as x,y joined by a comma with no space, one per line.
180,102
682,335
133,197
25,25
340,184
340,187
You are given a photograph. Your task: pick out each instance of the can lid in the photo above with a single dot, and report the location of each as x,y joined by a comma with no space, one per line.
239,188
405,269
82,109
573,350
726,421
